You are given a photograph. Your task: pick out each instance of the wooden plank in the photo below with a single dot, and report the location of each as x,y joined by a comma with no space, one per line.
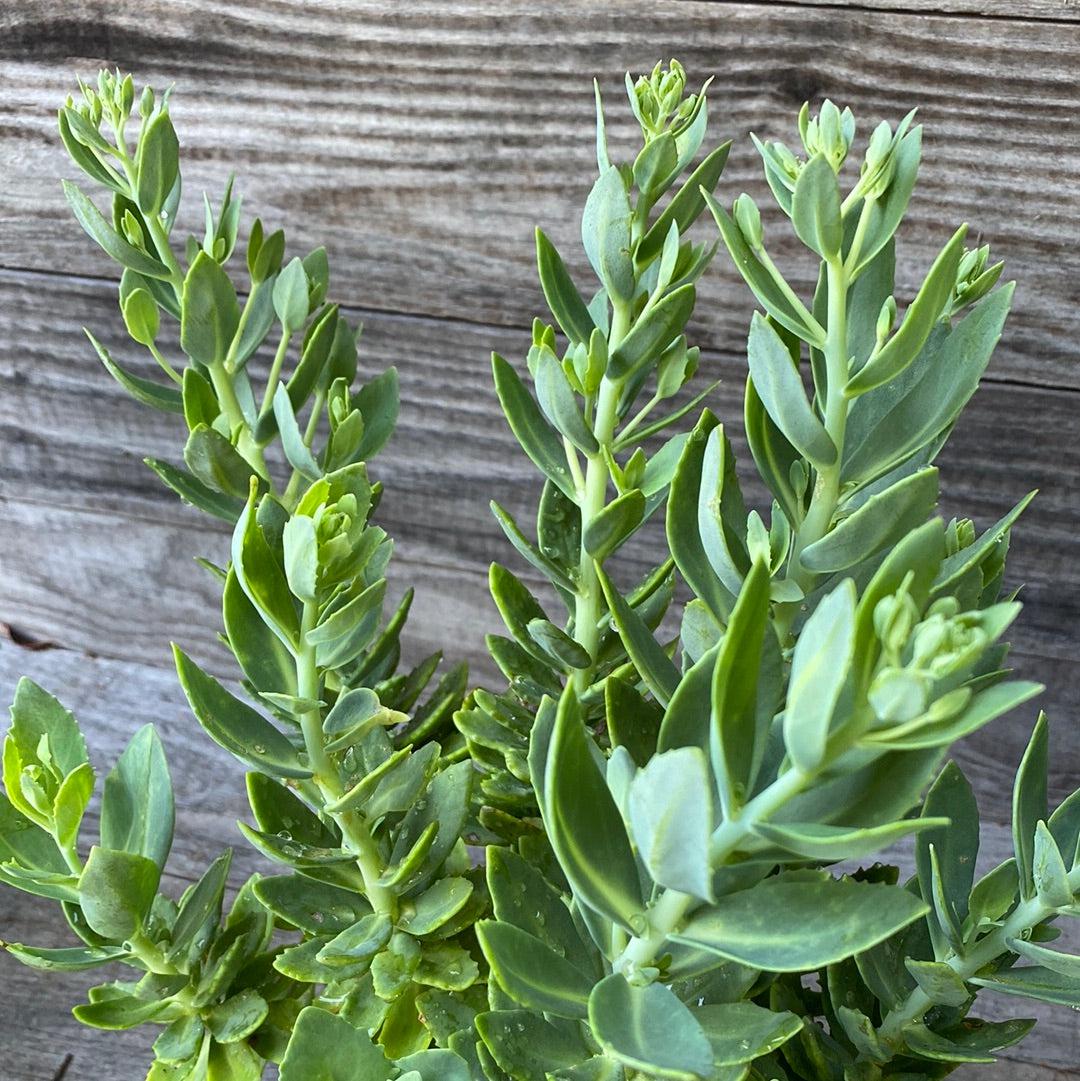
100,554
423,142
112,699
1062,11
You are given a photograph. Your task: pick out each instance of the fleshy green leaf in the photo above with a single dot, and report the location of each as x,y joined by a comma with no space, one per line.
819,672
671,815
1029,805
815,208
649,1029
234,725
210,313
737,729
584,825
532,973
780,387
325,1047
536,436
116,890
787,925
137,812
881,521
561,294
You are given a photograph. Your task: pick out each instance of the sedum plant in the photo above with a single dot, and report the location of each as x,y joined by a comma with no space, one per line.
350,793
683,816
612,387
714,911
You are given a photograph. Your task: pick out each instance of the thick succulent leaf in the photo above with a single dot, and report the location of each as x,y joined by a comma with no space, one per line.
737,729
815,208
234,725
65,958
116,890
652,662
922,314
972,1041
683,534
137,811
779,385
671,817
741,1032
721,513
315,907
1030,803
324,1047
820,842
649,1029
819,672
881,521
956,844
522,896
584,825
524,1046
888,425
792,925
533,973
162,396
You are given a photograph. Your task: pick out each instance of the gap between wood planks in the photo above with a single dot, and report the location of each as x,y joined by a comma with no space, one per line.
406,315
1009,11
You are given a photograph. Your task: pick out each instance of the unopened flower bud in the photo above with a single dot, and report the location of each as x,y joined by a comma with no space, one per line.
748,218
829,133
886,320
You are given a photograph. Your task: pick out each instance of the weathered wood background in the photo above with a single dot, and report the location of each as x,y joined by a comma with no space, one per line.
421,142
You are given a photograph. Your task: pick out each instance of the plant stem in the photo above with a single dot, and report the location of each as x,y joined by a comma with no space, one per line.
826,492
354,829
673,907
230,405
245,315
149,956
589,602
164,365
275,371
1025,916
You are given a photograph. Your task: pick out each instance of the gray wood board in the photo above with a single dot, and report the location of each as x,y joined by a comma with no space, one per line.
423,142
98,555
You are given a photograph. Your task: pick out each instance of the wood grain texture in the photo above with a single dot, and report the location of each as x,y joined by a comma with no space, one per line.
1062,11
112,699
101,554
417,140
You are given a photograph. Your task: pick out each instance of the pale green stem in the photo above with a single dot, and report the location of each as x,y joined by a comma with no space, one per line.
589,603
781,282
230,405
275,371
826,492
860,236
164,365
355,830
245,315
1026,915
632,424
575,467
673,907
295,480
